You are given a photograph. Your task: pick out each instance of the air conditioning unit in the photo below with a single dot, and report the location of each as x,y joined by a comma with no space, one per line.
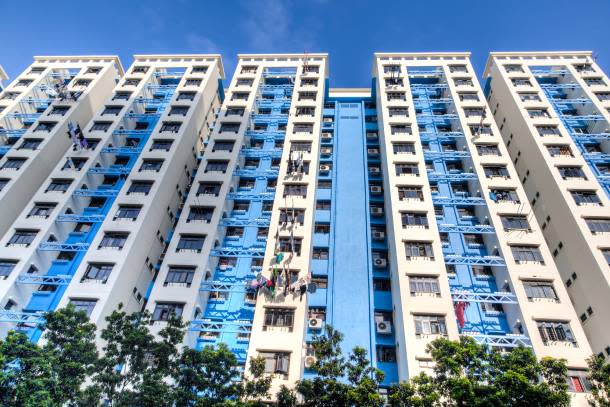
383,327
315,323
223,266
372,151
310,361
324,168
374,170
326,150
376,189
377,211
379,262
371,136
378,235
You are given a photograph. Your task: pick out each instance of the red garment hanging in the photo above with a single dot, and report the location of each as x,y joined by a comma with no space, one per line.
460,308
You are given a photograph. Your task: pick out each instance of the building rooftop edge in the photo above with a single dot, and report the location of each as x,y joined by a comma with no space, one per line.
218,57
386,54
528,53
3,75
94,57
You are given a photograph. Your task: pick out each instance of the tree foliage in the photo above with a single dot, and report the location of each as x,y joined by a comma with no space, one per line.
599,379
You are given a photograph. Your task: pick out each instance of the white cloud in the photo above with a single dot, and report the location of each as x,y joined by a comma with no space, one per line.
201,44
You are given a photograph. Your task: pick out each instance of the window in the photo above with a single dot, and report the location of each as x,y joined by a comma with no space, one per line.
300,146
217,166
323,205
235,111
192,82
179,110
414,219
42,209
140,187
100,126
278,317
419,249
209,188
548,131
578,381
122,96
190,243
521,82
200,214
468,97
398,111
128,212
382,284
458,68
560,150
290,245
22,237
586,198
430,325
292,216
595,81
536,113
463,82
553,331
426,285
295,190
403,148
59,110
493,171
180,275
240,96
319,254
276,362
598,225
113,240
98,272
165,310
199,69
504,195
400,129
223,145
161,144
302,128
94,69
406,192
571,172
13,163
244,82
10,95
511,222
513,68
85,305
229,127
171,127
151,165
24,82
6,267
307,96
248,69
407,169
186,96
526,254
59,185
140,69
603,95
539,289
385,354
391,68
474,112
310,82
488,149
529,97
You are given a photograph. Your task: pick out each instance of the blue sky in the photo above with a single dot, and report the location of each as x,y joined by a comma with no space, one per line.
349,30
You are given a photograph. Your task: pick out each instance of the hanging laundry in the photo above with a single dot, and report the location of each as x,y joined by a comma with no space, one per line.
73,135
460,308
493,196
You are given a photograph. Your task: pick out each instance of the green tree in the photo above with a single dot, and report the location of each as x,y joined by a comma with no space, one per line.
340,382
599,378
469,374
135,366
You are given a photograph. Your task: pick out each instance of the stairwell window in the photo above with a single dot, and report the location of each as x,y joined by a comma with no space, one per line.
515,222
6,267
474,112
407,169
113,240
430,325
98,272
527,254
244,82
393,96
200,214
276,362
403,148
217,166
131,82
555,331
140,187
22,237
178,110
240,96
151,165
166,310
199,69
598,225
569,172
209,188
249,69
230,127
391,68
45,126
424,285
414,219
303,128
140,69
190,243
524,82
586,198
59,110
496,171
235,111
398,111
192,82
172,127
190,96
42,210
13,163
276,317
112,110
529,97
59,185
400,129
122,96
179,276
538,113
488,149
468,97
100,126
300,146
161,144
410,193
417,249
539,289
463,82
82,304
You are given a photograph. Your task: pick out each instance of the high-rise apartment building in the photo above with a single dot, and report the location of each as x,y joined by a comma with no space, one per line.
553,109
262,213
35,111
3,77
